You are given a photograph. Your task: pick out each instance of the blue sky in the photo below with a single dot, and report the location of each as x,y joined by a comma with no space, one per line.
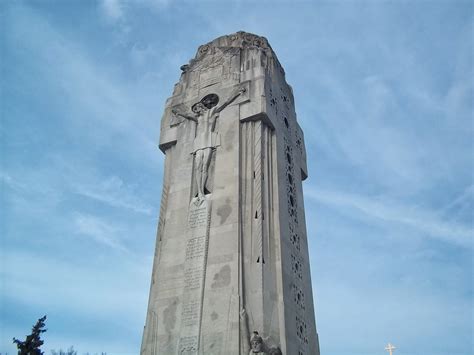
384,94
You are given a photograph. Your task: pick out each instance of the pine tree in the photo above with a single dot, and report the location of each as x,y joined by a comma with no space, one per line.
32,343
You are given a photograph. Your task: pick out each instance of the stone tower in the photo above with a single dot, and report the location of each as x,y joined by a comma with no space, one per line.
231,268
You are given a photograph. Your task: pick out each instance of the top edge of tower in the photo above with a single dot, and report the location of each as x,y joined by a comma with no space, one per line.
240,39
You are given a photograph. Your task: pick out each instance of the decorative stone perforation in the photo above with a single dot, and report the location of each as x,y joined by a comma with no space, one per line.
294,237
296,260
290,183
273,101
298,297
298,142
297,266
284,99
291,196
301,330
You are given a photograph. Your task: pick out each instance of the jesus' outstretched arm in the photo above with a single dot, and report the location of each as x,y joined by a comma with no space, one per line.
230,100
188,117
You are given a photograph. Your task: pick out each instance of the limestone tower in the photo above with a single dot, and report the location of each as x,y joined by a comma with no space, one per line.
231,268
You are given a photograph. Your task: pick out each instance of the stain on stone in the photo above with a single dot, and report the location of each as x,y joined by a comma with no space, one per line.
224,211
222,278
212,344
214,315
229,139
169,316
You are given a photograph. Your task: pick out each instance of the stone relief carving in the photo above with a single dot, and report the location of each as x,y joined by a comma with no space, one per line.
240,39
209,57
214,52
256,343
205,114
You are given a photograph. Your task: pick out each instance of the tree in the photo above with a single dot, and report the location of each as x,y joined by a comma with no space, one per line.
69,351
33,342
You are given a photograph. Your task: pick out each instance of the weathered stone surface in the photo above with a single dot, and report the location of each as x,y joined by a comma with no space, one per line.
231,270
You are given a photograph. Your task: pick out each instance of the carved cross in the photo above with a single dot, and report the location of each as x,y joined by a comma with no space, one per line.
390,348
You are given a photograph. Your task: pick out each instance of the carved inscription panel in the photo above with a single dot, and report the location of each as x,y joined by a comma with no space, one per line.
198,217
195,248
188,345
193,277
190,313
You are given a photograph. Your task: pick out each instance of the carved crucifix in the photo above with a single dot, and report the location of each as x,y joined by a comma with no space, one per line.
205,114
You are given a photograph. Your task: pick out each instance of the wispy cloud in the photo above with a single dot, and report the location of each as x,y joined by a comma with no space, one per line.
100,107
383,209
14,184
460,205
116,9
112,9
80,180
386,113
90,292
99,230
115,193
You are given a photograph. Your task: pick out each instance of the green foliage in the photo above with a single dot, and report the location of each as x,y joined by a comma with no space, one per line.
33,342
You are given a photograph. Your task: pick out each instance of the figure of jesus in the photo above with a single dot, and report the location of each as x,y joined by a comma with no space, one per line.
205,114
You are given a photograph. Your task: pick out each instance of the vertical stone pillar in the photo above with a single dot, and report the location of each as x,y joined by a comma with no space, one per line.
231,269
